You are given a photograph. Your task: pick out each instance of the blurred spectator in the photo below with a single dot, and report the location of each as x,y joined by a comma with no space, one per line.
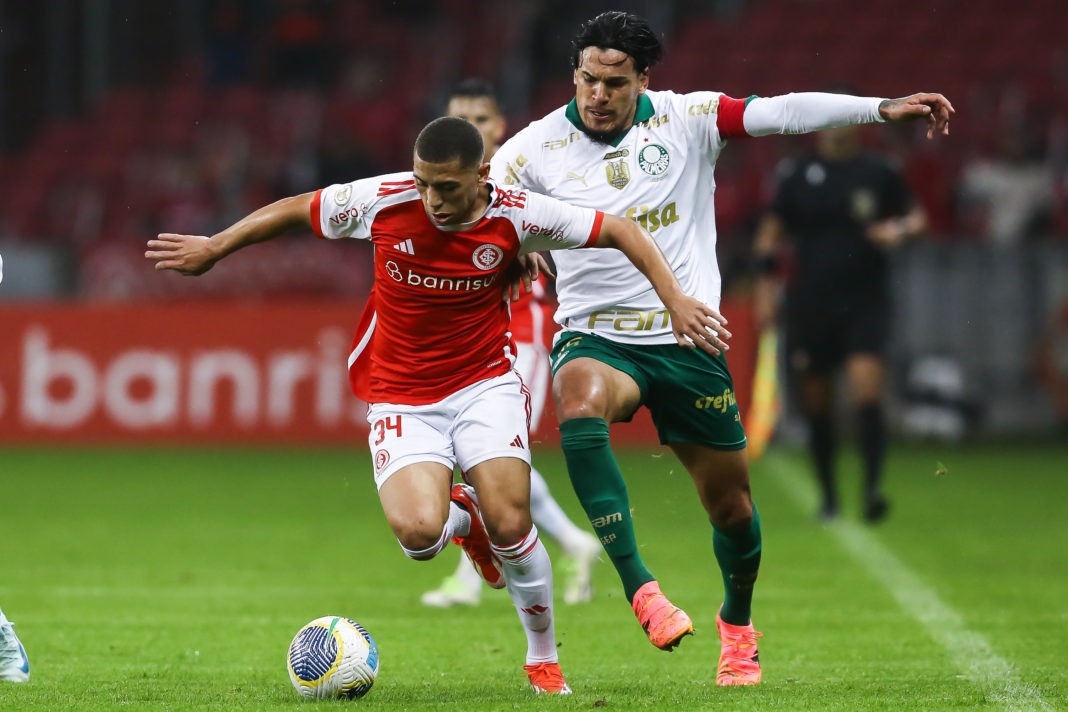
1009,197
229,44
299,52
365,112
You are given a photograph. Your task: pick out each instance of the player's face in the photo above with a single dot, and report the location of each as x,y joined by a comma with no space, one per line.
451,193
483,113
607,86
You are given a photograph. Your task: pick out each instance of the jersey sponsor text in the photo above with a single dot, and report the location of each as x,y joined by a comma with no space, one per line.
629,319
721,402
652,220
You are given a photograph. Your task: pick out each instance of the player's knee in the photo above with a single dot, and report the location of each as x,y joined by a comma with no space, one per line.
509,527
419,538
570,407
575,397
733,513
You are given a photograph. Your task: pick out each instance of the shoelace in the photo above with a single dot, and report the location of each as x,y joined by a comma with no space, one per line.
9,649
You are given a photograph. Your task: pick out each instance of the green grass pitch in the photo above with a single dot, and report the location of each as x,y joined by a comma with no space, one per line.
175,579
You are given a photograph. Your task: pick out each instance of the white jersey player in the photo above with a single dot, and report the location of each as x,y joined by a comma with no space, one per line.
650,156
433,356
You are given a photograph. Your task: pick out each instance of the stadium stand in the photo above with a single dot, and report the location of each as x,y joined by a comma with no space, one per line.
191,151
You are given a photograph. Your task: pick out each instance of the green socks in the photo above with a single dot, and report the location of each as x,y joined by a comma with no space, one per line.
738,554
600,488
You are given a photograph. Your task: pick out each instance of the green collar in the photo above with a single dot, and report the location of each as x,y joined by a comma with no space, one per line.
644,112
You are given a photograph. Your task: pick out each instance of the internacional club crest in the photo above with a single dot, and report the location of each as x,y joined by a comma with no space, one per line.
381,459
487,256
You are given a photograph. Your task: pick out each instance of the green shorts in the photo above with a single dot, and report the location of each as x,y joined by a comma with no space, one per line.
689,393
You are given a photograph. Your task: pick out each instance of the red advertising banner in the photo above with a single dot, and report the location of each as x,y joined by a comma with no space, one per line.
206,372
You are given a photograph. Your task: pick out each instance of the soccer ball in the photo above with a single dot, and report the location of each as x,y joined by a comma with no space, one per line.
332,657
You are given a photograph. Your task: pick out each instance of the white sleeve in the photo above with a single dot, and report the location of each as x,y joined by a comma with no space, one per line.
808,111
511,166
549,224
348,209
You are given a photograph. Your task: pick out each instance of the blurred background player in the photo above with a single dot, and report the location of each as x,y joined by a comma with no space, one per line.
845,209
14,665
532,325
650,155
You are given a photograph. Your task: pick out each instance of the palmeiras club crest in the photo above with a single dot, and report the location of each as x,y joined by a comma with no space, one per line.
654,159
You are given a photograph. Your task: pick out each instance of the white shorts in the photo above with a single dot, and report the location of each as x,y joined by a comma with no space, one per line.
532,363
485,420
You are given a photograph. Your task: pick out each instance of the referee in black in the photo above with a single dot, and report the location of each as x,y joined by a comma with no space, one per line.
844,209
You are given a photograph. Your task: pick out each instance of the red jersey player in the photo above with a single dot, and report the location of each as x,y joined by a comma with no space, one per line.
532,328
440,385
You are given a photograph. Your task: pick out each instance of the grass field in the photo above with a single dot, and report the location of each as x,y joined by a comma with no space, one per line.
174,579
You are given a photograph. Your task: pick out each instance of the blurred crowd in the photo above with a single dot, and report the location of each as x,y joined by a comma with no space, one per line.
286,96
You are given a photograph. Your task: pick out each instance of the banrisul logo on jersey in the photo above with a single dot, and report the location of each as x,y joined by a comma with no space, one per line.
654,159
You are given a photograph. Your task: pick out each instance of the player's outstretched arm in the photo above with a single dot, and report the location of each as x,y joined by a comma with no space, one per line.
935,108
196,254
693,322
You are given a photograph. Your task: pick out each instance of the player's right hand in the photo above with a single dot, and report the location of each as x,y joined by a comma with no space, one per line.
187,254
935,109
522,274
698,326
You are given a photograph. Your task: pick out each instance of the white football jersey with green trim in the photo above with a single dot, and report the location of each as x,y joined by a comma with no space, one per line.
660,174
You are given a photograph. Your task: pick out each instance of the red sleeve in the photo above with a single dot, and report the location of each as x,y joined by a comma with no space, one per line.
316,206
729,118
595,230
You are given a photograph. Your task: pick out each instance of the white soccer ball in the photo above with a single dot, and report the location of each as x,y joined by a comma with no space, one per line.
332,657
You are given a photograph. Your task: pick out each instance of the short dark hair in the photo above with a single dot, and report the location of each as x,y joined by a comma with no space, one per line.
449,138
624,31
473,88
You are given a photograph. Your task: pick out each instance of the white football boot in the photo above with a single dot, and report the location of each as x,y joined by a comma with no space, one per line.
14,665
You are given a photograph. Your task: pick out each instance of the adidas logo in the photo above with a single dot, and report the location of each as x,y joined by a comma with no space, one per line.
405,246
517,442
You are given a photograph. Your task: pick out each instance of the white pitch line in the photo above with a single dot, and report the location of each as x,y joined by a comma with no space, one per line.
971,653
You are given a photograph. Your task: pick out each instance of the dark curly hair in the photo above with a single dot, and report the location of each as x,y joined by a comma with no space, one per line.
626,32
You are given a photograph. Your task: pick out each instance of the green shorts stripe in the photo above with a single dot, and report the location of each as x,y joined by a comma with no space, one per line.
689,393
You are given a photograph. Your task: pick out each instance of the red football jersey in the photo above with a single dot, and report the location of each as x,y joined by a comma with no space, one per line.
532,316
435,321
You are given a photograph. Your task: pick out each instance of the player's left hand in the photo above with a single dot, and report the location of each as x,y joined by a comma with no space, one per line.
698,326
935,108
